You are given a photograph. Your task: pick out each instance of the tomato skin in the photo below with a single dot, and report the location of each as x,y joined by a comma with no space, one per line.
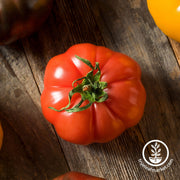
20,18
77,176
101,122
166,14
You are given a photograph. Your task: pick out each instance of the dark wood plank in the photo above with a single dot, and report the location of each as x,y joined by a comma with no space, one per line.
30,147
126,27
131,30
68,24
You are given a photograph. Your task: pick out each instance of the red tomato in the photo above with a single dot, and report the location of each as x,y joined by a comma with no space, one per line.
102,121
77,176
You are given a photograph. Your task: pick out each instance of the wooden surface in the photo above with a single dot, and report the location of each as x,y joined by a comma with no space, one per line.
32,150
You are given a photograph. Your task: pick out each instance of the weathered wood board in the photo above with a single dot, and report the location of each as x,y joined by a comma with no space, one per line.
31,148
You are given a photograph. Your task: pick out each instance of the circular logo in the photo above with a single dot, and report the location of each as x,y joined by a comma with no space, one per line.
155,153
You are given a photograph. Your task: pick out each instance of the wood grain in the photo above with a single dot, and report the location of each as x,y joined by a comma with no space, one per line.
176,47
31,148
140,38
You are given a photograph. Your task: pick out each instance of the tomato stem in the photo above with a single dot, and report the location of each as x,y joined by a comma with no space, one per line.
91,89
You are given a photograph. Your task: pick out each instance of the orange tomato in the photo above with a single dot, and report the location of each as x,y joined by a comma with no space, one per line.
166,14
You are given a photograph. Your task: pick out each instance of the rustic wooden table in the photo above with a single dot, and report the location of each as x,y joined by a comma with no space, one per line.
31,148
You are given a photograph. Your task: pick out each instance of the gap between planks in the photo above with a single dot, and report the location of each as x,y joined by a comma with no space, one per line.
176,48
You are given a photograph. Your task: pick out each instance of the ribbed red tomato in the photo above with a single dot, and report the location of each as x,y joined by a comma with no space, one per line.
113,97
77,176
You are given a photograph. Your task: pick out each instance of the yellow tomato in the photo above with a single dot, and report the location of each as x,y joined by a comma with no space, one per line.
1,135
166,14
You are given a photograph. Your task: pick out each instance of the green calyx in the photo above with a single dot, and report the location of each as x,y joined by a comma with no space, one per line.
90,88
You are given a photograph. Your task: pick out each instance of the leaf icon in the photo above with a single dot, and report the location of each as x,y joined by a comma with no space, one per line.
156,144
159,150
153,146
152,151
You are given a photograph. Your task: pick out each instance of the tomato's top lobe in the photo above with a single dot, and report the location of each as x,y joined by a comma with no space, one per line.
166,14
102,121
89,87
77,176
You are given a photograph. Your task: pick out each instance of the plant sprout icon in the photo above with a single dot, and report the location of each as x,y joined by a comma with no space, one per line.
155,153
